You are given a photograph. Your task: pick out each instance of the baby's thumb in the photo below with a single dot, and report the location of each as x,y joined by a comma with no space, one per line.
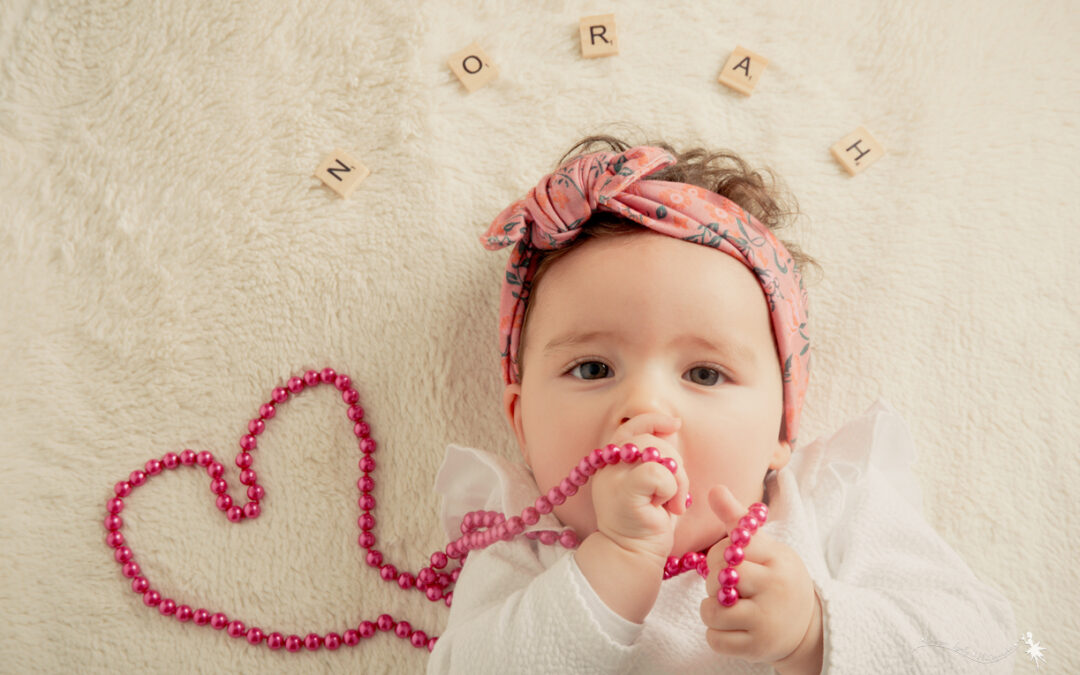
726,507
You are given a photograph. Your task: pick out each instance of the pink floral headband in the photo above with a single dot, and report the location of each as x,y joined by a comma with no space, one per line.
563,201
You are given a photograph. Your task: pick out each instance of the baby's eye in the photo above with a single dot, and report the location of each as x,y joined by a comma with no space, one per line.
596,370
711,374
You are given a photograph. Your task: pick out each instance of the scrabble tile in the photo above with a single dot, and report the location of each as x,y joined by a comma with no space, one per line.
743,70
341,172
857,150
473,67
598,36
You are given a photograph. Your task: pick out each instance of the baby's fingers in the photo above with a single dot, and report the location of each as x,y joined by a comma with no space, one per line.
653,481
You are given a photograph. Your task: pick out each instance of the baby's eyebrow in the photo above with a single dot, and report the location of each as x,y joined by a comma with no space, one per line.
730,349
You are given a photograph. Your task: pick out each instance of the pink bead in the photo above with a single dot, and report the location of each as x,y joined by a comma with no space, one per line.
366,521
368,445
385,622
728,596
184,613
568,539
219,621
670,463
433,593
759,511
577,477
218,486
293,643
388,572
252,510
406,580
201,617
130,570
256,493
530,516
585,468
327,375
204,458
403,629
154,466
215,470
418,639
115,539
235,514
361,429
140,584
123,554
295,385
137,478
254,636
350,396
439,560
113,522
567,488
734,555
342,382
671,567
332,641
187,457
351,637
729,576
367,463
650,454
515,525
630,453
311,378
610,454
236,629
279,395
374,558
243,460
256,427
740,536
248,442
248,477
122,489
555,496
750,523
366,502
224,501
596,459
312,641
151,598
356,413
167,607
542,505
275,641
366,539
431,643
267,410
170,460
548,537
366,629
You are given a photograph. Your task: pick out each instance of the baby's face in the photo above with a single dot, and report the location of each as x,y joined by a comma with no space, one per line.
650,296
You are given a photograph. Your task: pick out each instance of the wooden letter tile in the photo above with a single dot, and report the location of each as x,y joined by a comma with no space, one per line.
743,70
598,36
341,172
857,150
473,67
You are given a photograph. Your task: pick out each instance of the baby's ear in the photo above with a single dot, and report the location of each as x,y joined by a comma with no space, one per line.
512,408
781,455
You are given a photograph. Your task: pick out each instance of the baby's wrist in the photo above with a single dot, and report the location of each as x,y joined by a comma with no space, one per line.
627,581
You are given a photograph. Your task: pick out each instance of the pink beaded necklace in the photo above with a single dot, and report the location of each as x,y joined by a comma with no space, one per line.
431,580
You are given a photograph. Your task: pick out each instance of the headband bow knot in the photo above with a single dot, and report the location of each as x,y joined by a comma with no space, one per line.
551,215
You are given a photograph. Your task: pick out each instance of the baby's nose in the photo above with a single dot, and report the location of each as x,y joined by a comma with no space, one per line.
657,424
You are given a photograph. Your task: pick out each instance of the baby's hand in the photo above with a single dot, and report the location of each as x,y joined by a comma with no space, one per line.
777,618
638,504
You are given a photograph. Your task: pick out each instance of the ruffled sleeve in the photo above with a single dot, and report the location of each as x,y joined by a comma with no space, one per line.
893,591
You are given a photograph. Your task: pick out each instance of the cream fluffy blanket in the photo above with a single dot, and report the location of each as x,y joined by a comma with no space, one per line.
167,258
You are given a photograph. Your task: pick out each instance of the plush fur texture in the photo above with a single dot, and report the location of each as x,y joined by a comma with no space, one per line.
167,258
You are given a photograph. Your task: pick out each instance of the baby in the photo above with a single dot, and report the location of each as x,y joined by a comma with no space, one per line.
670,317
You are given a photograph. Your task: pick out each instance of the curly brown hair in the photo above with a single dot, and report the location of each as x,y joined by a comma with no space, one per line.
721,171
